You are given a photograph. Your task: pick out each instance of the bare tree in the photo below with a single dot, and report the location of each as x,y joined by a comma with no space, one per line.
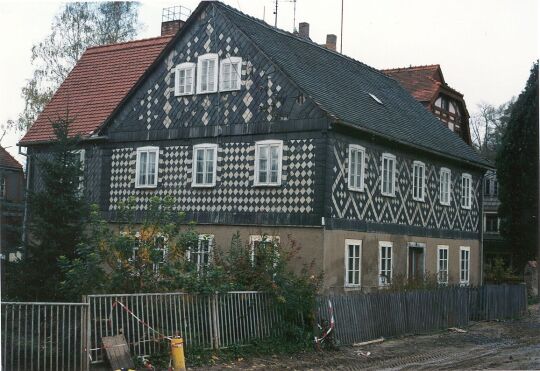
488,125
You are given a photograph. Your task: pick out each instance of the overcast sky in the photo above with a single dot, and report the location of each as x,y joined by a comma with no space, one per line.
485,47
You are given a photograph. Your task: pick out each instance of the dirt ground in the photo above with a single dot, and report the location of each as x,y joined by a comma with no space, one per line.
485,345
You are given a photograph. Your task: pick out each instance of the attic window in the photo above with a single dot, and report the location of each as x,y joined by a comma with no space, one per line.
375,98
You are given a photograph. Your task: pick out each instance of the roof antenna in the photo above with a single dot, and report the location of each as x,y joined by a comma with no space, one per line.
294,15
341,37
275,12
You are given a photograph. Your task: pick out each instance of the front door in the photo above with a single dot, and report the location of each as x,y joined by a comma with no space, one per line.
416,263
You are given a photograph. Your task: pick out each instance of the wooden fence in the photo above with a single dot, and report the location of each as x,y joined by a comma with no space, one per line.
361,317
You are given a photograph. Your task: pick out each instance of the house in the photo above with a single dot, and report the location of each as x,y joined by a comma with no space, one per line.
11,205
427,85
494,246
253,129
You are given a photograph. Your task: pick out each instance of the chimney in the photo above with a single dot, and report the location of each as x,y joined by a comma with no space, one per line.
331,42
303,30
171,27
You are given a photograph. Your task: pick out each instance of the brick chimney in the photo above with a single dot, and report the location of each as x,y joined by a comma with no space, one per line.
331,41
303,30
171,27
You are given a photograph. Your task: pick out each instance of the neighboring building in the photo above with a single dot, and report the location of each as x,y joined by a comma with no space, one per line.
11,205
253,129
426,84
494,246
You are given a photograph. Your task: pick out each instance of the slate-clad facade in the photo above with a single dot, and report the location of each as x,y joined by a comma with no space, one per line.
313,200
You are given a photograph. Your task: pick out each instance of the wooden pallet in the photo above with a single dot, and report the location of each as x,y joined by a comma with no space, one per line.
117,352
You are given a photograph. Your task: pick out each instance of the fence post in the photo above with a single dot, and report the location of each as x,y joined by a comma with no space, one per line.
215,321
88,331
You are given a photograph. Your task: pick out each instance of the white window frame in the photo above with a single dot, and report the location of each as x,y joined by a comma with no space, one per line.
164,250
259,238
464,274
388,246
81,153
198,253
439,249
442,185
498,222
187,66
148,149
466,191
348,243
202,58
421,180
204,147
3,189
235,71
258,146
391,173
361,151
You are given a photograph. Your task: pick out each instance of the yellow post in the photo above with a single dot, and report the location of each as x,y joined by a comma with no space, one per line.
177,354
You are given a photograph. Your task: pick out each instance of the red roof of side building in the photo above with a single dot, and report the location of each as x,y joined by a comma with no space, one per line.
6,160
423,82
95,87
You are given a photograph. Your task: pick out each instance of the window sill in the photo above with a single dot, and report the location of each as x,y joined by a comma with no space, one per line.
228,90
146,186
356,189
443,204
206,92
388,195
203,185
352,287
419,200
184,94
263,185
465,207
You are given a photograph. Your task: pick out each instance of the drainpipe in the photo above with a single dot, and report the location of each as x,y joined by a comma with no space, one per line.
482,229
25,217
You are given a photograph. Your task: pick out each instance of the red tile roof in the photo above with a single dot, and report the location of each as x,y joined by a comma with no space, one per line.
6,160
96,85
423,82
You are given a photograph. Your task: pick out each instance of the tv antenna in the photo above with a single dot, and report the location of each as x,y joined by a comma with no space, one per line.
294,12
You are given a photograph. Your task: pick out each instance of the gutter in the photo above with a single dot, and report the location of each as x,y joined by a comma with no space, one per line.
92,138
407,144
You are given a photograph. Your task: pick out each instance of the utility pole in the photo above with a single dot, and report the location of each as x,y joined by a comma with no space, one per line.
275,12
341,36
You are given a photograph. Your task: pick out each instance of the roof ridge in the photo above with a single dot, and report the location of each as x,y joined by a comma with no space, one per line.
124,44
419,67
290,34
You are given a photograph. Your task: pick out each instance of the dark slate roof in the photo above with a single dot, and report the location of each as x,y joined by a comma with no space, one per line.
341,86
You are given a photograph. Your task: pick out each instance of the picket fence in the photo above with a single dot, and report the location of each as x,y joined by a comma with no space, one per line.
67,336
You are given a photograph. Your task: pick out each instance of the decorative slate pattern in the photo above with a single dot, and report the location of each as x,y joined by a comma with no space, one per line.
266,94
372,206
234,190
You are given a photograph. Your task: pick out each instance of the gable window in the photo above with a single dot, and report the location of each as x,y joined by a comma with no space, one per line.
353,259
184,79
146,170
204,165
466,191
201,255
385,263
445,187
356,167
442,264
230,73
464,264
419,180
262,248
207,73
2,187
268,159
491,186
388,187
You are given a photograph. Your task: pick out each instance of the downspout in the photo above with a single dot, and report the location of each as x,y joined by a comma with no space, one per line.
481,213
25,217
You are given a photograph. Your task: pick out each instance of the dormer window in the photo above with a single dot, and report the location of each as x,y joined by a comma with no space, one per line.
184,79
207,73
230,74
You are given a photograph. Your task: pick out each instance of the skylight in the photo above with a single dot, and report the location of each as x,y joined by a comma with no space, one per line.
375,98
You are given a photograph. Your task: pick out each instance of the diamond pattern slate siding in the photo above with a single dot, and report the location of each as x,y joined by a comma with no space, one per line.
372,206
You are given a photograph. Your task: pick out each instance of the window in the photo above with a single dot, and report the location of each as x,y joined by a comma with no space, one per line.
466,191
464,264
207,73
442,264
231,74
201,256
491,186
388,186
356,167
445,187
419,180
263,248
155,254
146,170
204,165
2,187
268,157
184,79
385,263
491,223
353,261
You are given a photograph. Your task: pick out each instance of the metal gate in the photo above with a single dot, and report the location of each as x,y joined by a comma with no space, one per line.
44,336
